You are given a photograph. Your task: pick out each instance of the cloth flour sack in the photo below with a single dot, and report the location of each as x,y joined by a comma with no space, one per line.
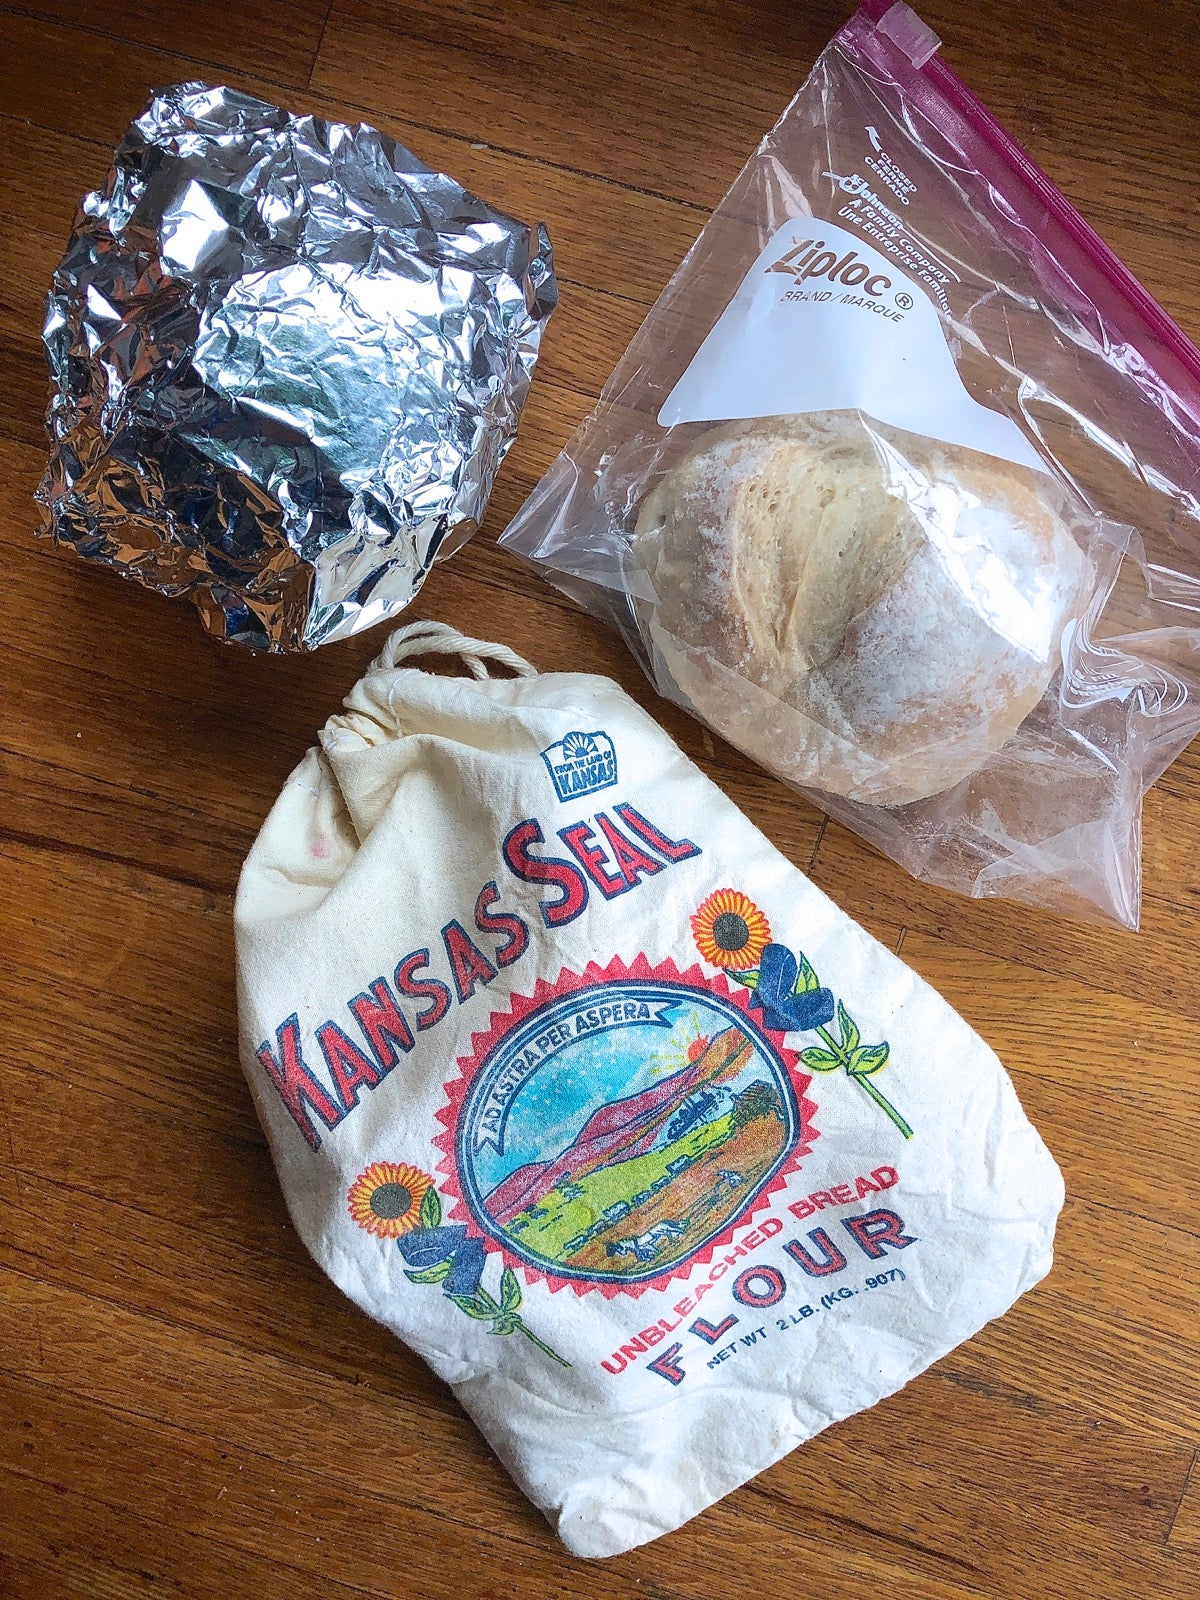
580,1087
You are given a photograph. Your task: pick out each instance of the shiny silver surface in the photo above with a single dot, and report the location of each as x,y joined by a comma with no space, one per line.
287,360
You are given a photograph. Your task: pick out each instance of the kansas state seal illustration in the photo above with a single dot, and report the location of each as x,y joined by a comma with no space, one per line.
614,1127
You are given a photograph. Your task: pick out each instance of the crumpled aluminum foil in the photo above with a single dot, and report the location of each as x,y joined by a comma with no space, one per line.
287,360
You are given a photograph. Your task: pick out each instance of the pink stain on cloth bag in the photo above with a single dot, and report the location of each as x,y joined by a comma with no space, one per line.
581,1088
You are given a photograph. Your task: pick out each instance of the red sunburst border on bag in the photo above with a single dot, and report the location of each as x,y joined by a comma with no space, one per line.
501,1023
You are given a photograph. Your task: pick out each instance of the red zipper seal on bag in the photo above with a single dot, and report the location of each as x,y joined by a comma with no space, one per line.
911,51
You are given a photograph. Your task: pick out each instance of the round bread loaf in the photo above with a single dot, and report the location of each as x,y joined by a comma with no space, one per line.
865,611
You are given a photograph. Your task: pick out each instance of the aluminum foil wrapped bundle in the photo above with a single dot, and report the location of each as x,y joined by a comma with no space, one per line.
287,361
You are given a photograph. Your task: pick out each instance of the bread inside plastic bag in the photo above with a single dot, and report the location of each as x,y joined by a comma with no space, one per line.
891,267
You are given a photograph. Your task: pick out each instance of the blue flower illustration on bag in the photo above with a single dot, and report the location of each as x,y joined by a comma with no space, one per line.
733,933
394,1200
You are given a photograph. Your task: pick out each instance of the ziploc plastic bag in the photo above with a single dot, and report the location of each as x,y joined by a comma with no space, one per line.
898,489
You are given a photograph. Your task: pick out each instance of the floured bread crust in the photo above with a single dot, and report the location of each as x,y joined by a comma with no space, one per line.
871,613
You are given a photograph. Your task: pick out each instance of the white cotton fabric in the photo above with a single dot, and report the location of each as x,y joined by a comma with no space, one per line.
623,1151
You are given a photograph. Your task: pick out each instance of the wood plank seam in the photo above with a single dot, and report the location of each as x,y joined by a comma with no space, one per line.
363,111
940,1557
89,27
1193,1476
61,847
316,55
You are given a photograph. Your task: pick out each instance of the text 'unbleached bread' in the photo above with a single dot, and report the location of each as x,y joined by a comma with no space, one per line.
865,611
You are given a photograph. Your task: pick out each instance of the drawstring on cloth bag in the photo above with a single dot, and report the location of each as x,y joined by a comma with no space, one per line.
581,1088
440,639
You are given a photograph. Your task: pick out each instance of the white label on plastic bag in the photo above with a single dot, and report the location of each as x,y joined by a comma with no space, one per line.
825,322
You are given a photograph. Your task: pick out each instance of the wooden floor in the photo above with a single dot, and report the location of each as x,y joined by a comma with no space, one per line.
186,1407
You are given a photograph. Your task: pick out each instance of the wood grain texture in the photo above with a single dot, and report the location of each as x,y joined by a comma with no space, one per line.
187,1407
279,41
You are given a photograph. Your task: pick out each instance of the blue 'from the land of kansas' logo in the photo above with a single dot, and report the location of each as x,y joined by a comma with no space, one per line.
581,763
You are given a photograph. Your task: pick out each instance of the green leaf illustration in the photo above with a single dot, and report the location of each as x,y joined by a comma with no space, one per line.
819,1060
431,1216
750,978
806,978
503,1314
477,1306
868,1058
849,1031
437,1273
510,1290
